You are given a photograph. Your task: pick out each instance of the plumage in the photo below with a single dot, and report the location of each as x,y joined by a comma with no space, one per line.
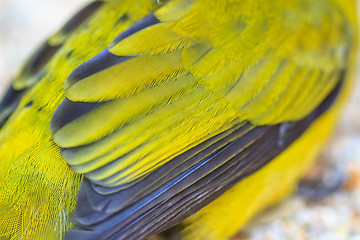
140,115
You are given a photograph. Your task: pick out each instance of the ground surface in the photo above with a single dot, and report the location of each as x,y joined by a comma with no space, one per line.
25,24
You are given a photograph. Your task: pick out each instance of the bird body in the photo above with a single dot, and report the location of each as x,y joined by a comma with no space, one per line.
140,115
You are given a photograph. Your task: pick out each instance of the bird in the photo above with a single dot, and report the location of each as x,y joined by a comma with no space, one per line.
137,117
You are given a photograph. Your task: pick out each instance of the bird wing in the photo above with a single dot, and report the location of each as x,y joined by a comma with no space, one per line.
184,103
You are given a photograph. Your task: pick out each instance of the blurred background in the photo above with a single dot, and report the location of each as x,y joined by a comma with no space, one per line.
25,24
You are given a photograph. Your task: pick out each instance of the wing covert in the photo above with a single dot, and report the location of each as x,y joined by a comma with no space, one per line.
189,103
162,86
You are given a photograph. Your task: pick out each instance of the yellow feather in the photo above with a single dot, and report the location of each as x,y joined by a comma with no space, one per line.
225,216
208,66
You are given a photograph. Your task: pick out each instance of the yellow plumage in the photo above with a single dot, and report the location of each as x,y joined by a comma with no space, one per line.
265,187
194,73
